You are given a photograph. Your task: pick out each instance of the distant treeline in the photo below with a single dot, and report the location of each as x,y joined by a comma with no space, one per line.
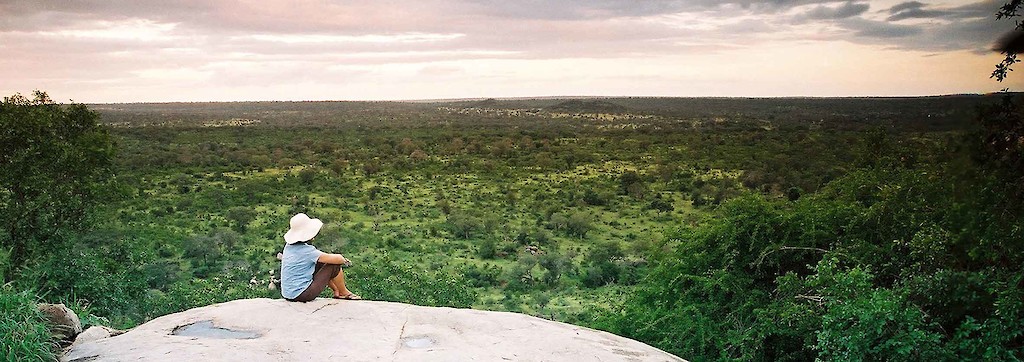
913,113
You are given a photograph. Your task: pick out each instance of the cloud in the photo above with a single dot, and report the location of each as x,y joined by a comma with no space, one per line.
845,10
605,9
909,5
365,38
919,10
438,29
245,42
970,27
914,10
881,29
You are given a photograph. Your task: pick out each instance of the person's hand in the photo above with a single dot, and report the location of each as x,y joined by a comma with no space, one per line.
280,256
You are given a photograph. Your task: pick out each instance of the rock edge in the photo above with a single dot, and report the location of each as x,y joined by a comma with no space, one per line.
363,331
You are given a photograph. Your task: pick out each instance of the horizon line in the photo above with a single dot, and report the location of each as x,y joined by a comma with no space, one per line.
527,98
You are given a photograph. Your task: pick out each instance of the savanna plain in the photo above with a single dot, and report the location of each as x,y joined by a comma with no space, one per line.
712,228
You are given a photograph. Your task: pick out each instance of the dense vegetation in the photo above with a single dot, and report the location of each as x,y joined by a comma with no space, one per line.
712,228
889,263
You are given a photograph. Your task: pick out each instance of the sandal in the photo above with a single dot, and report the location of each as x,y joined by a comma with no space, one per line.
350,296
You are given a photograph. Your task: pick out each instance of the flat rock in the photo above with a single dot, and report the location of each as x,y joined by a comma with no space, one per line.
328,329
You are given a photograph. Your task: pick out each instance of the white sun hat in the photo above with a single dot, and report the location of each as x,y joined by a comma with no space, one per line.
302,228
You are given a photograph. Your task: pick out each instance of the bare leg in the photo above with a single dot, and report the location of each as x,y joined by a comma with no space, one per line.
334,287
338,285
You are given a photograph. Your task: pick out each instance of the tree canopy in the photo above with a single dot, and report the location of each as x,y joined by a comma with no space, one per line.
54,161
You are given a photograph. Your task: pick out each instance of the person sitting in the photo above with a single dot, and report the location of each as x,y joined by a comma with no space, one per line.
306,271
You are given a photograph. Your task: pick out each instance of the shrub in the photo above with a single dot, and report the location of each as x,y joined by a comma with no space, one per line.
385,279
23,332
240,217
307,175
5,263
104,270
195,292
488,249
629,179
576,224
861,322
554,265
881,264
592,198
579,224
482,276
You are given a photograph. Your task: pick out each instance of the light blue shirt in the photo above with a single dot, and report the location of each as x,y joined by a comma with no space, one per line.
297,268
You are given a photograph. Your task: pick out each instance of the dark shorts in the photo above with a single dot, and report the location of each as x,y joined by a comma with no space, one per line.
321,276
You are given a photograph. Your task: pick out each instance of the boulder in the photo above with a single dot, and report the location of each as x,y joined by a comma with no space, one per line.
344,330
63,322
95,333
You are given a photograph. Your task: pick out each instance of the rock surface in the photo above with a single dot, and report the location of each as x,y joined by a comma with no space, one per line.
327,329
64,323
95,333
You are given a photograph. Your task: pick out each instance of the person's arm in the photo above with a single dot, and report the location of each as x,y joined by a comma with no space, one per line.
328,258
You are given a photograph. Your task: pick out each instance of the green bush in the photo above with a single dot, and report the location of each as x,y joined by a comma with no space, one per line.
5,263
996,337
386,279
192,293
603,265
593,198
488,249
575,224
23,332
103,270
864,323
482,276
883,264
554,265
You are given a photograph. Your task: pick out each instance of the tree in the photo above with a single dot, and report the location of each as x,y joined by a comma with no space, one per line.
307,175
464,225
371,167
406,147
661,204
1002,134
205,253
240,217
55,161
418,155
592,198
1008,46
602,269
630,183
339,167
578,224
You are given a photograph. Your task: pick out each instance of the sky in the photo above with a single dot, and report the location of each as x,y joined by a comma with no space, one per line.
99,51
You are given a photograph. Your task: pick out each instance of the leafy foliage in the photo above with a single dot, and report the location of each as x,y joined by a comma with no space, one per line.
383,278
104,271
25,336
883,264
54,160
